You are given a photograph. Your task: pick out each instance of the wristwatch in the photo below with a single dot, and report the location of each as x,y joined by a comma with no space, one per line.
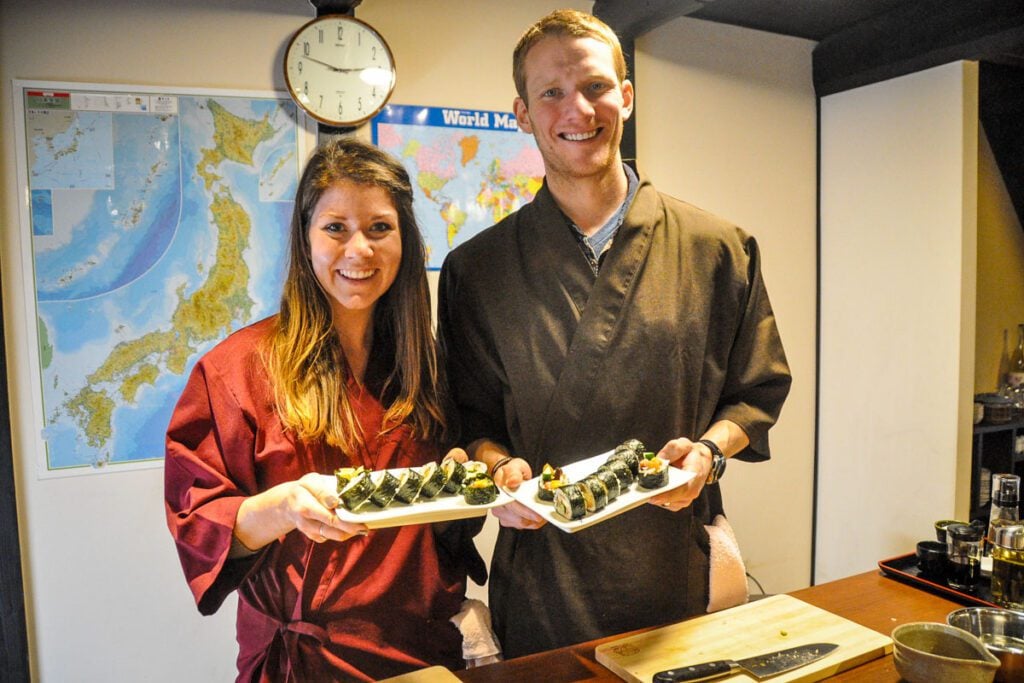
718,461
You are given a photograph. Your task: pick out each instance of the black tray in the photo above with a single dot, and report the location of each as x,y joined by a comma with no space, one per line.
904,568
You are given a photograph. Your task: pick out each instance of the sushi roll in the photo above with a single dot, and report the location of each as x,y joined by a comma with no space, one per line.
634,445
610,481
598,498
570,503
385,489
345,474
622,471
357,491
628,456
454,475
409,485
474,467
479,490
653,471
433,480
551,479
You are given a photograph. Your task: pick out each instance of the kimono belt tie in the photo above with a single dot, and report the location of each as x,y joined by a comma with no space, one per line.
286,641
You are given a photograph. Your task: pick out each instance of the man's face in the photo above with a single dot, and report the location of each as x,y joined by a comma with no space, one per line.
576,106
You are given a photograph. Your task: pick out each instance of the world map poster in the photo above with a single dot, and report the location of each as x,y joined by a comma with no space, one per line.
156,225
469,168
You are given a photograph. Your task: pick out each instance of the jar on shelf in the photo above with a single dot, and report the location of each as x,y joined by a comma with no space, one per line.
998,409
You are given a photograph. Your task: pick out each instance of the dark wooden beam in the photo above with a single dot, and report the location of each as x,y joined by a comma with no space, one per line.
916,36
13,632
1001,111
325,7
627,146
632,18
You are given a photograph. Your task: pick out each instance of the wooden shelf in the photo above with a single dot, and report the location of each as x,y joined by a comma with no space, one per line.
994,449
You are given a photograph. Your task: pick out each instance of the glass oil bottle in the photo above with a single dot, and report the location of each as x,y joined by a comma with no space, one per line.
1008,565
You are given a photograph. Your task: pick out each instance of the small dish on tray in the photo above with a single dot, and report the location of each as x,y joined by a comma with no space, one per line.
443,507
527,494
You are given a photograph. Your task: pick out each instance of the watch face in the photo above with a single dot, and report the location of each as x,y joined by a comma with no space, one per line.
339,69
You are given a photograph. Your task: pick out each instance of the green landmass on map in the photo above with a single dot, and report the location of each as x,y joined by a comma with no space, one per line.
204,315
45,346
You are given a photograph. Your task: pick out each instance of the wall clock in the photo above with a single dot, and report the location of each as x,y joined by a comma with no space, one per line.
339,70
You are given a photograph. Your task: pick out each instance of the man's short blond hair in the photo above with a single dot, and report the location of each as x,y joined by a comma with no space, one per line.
565,22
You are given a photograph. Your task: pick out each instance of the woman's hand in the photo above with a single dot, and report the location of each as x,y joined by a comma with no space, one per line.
306,505
316,494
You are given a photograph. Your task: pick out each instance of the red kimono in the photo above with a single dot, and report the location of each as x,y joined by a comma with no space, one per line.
370,607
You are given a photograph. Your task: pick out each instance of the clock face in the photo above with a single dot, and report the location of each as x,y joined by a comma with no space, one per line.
339,69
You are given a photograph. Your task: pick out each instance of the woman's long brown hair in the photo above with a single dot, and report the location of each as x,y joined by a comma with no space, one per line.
303,353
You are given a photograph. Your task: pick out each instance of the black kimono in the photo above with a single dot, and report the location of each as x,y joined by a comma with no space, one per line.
557,363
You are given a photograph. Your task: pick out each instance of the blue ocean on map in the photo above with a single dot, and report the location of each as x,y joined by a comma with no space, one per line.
118,265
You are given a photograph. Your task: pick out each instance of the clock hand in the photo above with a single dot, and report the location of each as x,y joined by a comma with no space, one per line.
329,66
339,69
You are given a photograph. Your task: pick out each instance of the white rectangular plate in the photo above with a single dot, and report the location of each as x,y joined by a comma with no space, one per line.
527,494
441,508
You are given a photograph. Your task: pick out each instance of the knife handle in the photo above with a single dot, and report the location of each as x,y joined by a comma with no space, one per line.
697,672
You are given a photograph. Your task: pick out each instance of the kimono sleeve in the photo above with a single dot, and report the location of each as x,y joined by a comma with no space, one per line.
471,361
209,470
757,378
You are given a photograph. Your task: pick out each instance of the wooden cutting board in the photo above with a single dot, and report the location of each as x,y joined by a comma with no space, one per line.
758,627
434,674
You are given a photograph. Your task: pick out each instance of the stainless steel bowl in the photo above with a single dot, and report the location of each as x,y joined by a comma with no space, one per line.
1002,632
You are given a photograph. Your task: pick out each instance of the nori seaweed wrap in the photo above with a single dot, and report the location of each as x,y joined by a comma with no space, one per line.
479,490
627,456
357,491
598,491
455,474
634,445
620,468
346,474
409,485
570,502
385,490
653,472
610,481
551,479
433,480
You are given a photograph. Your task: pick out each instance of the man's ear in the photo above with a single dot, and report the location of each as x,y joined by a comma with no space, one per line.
627,99
522,115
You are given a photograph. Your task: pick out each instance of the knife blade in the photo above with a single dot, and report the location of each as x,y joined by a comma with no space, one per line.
760,667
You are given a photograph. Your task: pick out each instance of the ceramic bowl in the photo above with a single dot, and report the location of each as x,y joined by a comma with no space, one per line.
927,652
1001,631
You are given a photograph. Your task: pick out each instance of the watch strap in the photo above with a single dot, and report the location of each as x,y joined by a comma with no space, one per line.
718,461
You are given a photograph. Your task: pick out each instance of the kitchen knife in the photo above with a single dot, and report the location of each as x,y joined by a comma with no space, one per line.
760,667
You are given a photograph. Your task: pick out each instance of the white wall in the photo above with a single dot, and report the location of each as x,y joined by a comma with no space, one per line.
726,121
898,264
104,592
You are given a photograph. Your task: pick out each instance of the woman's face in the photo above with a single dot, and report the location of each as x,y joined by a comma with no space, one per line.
355,247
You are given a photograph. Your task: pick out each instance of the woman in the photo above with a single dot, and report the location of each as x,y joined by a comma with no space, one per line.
346,374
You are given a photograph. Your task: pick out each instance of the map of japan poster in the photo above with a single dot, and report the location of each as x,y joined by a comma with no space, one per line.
469,168
155,225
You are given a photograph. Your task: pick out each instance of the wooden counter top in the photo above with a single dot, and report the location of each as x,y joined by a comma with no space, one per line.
870,599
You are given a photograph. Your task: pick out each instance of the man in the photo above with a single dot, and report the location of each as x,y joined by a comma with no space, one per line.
604,311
